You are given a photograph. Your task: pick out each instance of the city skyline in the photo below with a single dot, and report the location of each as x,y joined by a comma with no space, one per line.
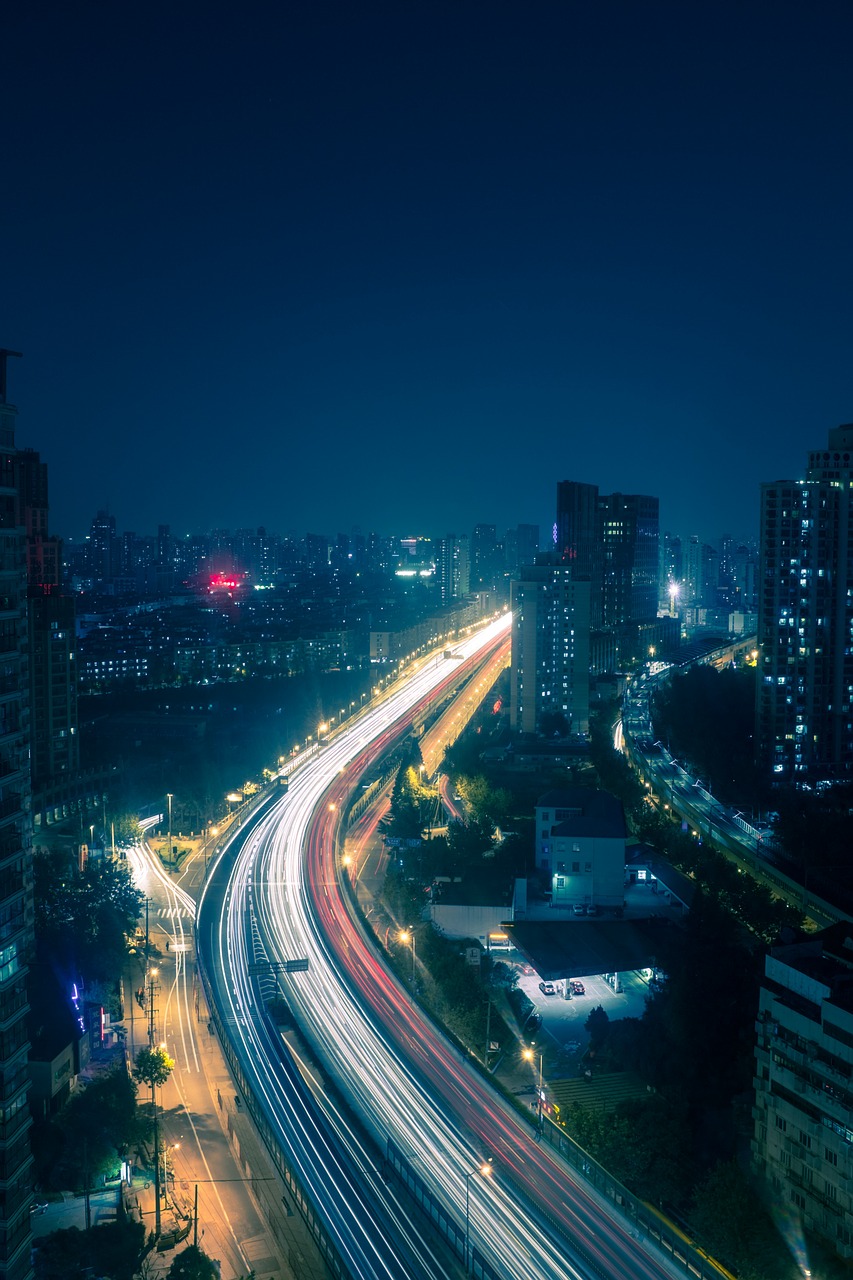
328,270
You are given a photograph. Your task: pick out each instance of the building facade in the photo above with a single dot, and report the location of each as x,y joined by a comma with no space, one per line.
580,847
550,649
453,567
803,1137
16,909
611,541
804,713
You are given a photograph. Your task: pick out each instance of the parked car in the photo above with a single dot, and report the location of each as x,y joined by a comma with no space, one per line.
578,989
592,909
579,909
547,988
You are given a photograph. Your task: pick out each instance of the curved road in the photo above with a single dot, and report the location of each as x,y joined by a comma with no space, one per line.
285,901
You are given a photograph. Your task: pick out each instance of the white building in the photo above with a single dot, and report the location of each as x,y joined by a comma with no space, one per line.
580,845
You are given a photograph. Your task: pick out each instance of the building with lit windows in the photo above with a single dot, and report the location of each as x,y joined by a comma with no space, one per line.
804,714
550,649
803,1137
580,847
611,542
453,567
16,909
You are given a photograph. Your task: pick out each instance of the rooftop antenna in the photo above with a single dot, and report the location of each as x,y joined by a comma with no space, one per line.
4,356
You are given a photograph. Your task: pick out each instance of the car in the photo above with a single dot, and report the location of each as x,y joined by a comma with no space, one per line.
578,989
547,988
592,909
533,1022
579,909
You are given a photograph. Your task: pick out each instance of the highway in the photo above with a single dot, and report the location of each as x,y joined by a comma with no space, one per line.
282,899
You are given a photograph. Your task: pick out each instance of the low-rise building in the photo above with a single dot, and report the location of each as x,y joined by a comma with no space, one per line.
580,847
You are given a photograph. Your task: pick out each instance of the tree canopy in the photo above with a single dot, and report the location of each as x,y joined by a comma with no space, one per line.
153,1067
86,1141
83,918
192,1263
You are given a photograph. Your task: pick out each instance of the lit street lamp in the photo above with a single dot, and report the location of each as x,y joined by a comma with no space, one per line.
169,798
484,1170
407,936
529,1055
212,833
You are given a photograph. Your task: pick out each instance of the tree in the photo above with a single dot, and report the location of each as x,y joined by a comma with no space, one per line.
192,1264
598,1026
113,1249
88,1138
84,918
127,828
153,1067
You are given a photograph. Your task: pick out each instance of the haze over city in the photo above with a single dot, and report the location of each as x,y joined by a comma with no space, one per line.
403,267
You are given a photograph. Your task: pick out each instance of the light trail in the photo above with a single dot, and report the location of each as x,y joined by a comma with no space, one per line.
284,902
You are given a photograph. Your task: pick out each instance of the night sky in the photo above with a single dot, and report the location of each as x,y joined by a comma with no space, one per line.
402,267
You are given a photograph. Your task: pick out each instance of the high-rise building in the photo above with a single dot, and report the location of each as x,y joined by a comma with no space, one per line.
103,551
484,558
55,751
576,537
453,567
611,542
804,715
521,547
15,865
803,1138
550,648
628,530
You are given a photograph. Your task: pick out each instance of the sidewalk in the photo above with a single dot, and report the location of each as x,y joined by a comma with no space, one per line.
245,1218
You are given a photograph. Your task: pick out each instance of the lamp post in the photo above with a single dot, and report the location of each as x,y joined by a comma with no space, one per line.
529,1055
407,936
169,798
212,833
484,1169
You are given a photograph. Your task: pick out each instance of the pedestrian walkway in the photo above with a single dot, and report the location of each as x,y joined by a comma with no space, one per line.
245,1219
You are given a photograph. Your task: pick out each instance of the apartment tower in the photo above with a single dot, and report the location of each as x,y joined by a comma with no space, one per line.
550,648
804,714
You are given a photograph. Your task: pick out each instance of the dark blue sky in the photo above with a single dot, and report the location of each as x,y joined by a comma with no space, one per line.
405,266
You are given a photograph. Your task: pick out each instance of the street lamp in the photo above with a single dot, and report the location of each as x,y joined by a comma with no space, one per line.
529,1055
407,936
212,833
169,798
484,1169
